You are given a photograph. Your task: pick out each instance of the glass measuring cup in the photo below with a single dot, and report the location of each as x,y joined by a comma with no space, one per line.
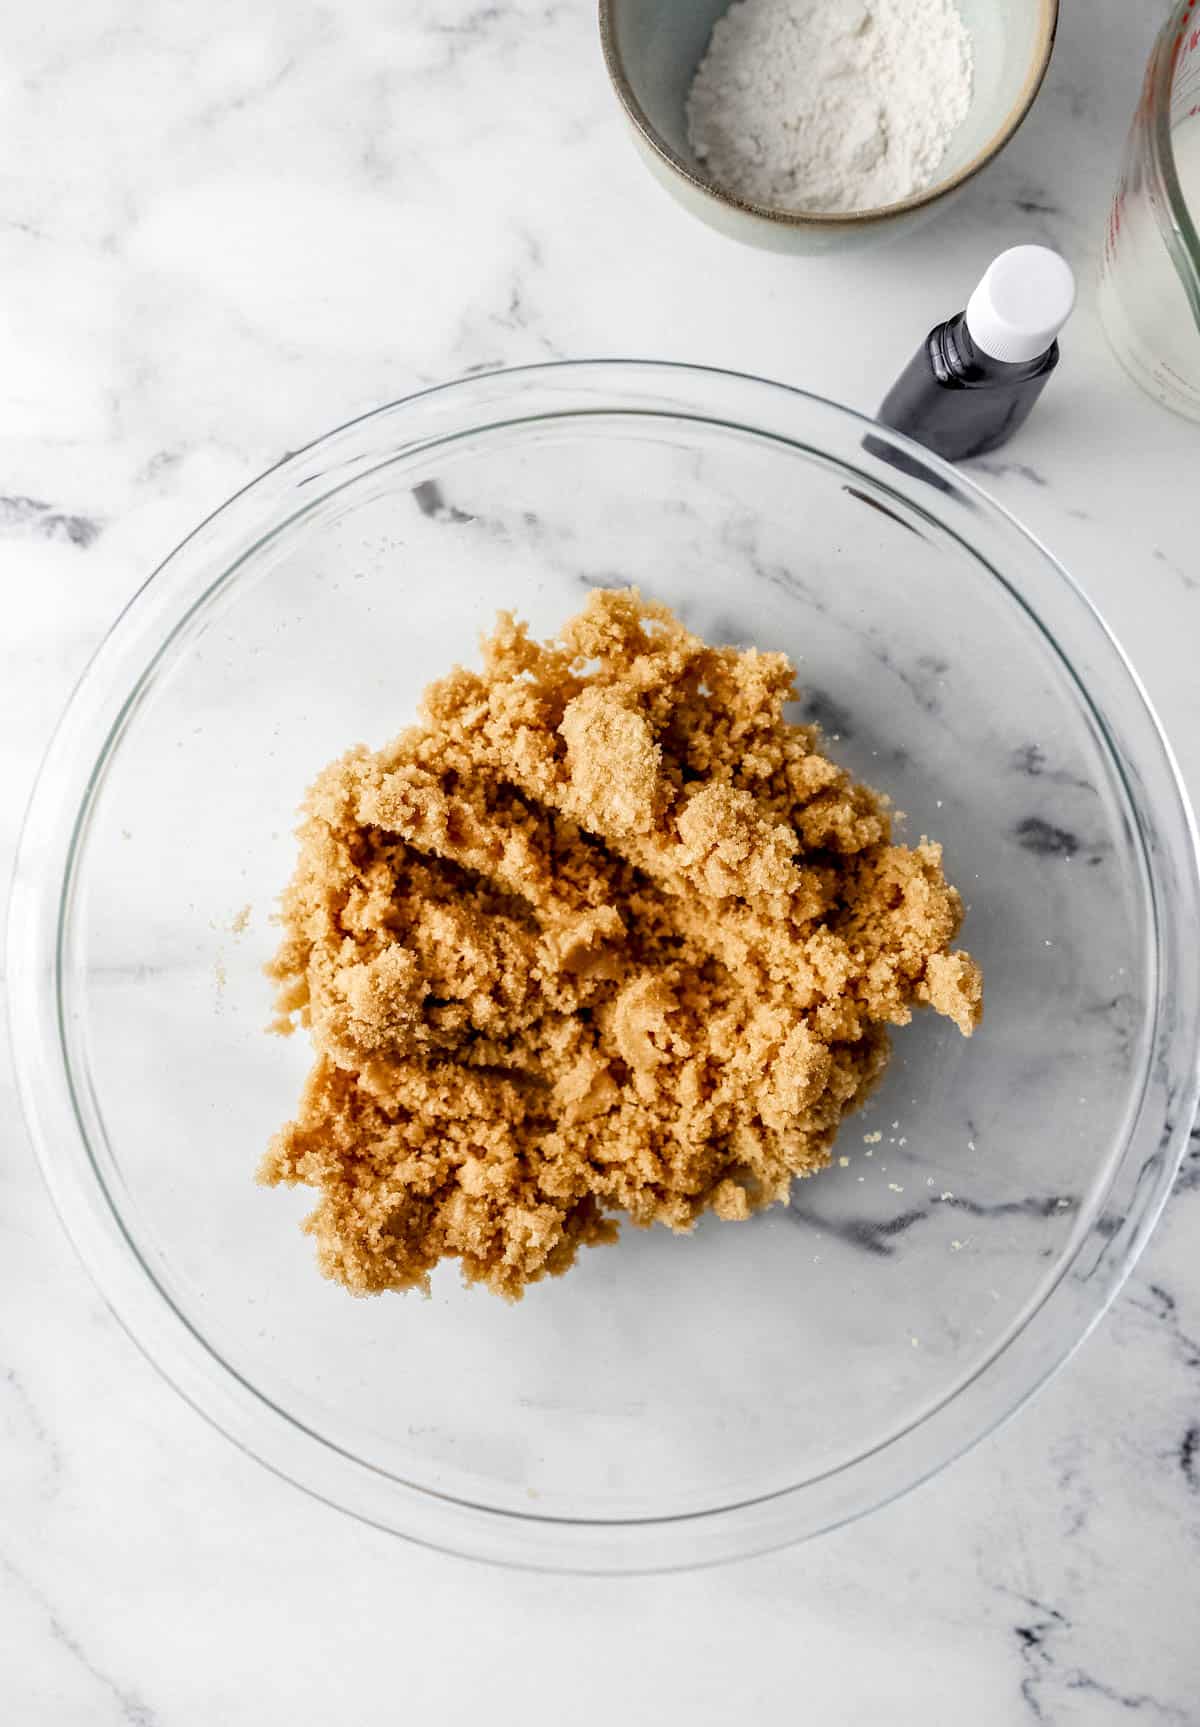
1150,276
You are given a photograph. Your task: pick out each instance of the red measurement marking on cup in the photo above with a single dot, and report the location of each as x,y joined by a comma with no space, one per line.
1185,73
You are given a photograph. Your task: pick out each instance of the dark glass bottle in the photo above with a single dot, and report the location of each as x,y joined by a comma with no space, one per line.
975,378
959,401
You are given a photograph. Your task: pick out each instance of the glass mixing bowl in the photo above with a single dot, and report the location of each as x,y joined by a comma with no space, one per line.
672,1400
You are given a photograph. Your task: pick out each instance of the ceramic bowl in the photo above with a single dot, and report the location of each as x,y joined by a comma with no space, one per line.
653,47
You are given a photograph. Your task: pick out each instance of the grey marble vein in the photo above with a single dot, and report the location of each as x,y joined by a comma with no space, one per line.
19,515
1044,839
1188,1179
999,469
1031,759
1189,1456
1189,579
1046,1672
119,1702
30,1419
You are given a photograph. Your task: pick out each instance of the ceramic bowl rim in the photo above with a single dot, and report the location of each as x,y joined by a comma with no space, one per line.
614,60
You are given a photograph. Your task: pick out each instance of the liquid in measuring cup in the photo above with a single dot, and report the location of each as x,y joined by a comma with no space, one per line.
1149,294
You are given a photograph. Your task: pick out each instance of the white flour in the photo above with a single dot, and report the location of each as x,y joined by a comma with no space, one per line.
830,104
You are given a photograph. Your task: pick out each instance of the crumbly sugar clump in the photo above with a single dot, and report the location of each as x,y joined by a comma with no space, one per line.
602,934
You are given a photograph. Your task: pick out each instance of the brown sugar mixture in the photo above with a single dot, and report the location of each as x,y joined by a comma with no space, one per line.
602,934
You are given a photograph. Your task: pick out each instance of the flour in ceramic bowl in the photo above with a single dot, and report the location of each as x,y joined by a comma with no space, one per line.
830,105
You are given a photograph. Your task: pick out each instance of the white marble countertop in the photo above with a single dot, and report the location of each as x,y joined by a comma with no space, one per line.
222,231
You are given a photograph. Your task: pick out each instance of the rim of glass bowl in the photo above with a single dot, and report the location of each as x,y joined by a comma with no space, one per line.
53,1095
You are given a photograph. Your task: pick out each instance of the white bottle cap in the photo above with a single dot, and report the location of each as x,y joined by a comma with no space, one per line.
1023,301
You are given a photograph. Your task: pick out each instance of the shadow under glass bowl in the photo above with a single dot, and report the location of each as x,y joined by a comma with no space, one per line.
673,1400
